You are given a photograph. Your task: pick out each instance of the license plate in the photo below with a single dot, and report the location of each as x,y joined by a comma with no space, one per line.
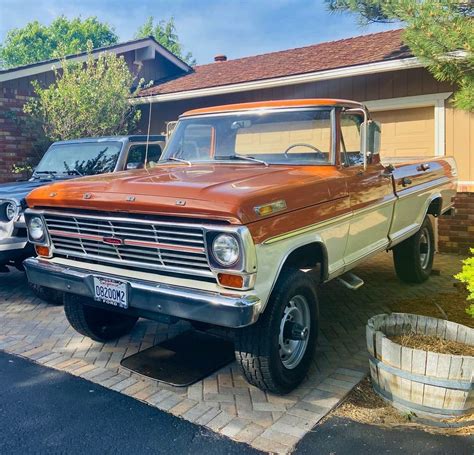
112,292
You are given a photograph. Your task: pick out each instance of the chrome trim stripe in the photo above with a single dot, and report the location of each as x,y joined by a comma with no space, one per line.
306,229
325,223
410,191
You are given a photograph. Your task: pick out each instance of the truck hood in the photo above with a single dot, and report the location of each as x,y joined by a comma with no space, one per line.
19,190
228,192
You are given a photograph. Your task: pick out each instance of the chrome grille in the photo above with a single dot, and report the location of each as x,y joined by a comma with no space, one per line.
172,247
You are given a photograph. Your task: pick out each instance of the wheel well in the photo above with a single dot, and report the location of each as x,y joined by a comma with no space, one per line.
308,257
435,207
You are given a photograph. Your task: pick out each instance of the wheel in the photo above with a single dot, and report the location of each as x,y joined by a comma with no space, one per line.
96,323
51,296
413,258
275,353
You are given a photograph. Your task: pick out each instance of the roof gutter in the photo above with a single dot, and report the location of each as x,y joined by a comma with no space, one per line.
348,71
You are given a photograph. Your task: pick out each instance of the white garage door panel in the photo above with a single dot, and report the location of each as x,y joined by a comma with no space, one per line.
407,132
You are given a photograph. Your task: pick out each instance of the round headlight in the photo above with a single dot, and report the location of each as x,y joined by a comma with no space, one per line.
36,228
225,249
10,211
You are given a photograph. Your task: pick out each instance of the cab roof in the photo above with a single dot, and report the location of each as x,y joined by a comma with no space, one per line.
278,104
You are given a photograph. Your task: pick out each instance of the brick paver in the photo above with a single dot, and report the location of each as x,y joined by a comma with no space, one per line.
224,402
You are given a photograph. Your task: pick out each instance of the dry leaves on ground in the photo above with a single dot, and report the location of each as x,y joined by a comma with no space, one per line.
365,406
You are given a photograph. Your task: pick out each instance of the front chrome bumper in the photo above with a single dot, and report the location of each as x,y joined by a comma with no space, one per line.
147,298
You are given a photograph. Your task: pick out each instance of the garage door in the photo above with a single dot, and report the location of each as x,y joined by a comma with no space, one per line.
407,132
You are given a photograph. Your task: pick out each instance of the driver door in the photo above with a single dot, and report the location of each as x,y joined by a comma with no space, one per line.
370,193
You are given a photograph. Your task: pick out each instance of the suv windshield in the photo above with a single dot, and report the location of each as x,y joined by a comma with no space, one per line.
86,158
276,137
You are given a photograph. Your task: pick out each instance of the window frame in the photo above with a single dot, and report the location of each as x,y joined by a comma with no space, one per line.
342,148
333,133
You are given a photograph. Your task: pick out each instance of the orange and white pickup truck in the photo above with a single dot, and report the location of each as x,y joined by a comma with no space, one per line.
250,208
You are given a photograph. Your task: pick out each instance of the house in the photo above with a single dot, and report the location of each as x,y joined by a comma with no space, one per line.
146,58
414,109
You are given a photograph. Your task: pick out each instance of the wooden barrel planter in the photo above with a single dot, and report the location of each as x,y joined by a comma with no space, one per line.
426,383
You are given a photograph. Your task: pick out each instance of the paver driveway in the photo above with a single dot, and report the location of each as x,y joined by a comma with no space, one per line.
223,402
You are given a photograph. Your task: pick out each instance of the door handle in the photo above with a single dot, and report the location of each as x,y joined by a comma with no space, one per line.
423,167
406,181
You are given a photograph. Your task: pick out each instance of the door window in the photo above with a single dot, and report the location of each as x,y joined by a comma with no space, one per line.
351,154
136,156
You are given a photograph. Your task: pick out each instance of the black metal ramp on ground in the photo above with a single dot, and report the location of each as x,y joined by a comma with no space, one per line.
182,360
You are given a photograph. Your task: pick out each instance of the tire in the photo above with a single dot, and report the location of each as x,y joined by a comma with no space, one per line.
413,258
258,347
48,295
96,323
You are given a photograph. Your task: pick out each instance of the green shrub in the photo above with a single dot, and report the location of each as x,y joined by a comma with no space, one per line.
467,276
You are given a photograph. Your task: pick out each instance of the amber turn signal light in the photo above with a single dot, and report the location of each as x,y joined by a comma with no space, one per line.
42,250
230,281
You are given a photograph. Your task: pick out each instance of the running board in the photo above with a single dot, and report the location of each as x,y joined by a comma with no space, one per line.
351,281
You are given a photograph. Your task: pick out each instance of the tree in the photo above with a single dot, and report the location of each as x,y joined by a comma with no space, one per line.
165,33
438,32
90,99
37,42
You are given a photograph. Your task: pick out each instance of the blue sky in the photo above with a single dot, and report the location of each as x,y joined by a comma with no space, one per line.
206,27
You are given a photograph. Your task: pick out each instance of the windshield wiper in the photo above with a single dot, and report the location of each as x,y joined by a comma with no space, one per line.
74,171
173,158
248,158
37,174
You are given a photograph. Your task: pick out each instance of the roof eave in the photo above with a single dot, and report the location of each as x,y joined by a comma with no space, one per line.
49,65
336,73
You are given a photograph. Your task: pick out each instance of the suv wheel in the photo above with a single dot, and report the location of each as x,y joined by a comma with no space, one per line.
96,323
413,258
275,353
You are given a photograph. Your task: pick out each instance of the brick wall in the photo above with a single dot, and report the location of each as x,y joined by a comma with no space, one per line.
15,143
456,234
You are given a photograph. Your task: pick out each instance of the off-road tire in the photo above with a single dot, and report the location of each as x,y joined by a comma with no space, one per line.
48,295
407,255
96,323
257,346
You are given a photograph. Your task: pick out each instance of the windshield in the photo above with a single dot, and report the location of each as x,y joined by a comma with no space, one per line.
86,158
276,137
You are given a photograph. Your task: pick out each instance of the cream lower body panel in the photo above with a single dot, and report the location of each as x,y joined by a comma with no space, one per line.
272,254
368,231
417,201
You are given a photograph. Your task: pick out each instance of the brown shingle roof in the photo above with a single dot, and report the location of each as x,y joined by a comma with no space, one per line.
364,49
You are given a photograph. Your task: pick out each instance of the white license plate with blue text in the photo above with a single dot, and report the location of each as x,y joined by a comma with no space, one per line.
112,292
